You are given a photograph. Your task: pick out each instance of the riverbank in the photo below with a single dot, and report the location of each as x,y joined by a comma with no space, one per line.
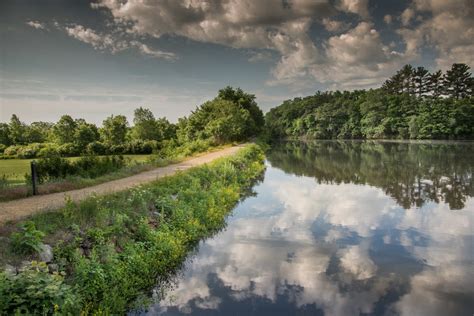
109,251
17,209
134,165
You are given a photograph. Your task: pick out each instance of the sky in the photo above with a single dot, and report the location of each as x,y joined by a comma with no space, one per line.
91,59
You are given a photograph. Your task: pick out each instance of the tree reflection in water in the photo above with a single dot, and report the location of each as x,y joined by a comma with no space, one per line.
411,173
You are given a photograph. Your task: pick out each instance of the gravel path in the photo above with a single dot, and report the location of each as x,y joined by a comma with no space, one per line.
17,209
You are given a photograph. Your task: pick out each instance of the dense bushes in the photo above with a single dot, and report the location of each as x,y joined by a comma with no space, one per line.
116,247
38,150
56,167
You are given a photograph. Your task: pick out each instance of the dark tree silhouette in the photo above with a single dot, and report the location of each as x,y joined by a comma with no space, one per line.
408,74
458,82
421,83
435,82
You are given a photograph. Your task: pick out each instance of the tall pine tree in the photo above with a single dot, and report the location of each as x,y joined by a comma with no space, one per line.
420,79
435,84
458,82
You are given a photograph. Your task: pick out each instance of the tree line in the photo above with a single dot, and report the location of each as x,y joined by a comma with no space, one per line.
413,104
456,83
233,115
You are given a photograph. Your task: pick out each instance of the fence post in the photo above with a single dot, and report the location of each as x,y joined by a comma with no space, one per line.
34,177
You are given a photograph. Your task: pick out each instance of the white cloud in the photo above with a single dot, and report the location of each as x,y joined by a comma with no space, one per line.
407,15
359,7
152,52
356,261
361,45
240,24
335,26
113,43
356,59
89,36
447,276
37,25
449,30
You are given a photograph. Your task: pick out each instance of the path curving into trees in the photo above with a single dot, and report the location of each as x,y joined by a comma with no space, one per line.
18,209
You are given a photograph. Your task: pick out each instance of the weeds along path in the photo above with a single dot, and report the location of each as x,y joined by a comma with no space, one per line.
18,209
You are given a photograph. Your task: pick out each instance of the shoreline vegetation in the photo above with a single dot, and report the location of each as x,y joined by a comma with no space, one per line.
413,104
109,252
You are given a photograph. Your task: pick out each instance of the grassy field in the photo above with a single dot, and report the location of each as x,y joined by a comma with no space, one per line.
15,169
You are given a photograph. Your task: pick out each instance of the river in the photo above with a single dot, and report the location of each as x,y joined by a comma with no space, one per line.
342,228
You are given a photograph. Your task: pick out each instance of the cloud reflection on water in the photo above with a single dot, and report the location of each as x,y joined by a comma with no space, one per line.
323,247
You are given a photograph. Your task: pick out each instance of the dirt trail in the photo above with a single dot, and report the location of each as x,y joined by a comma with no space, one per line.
17,209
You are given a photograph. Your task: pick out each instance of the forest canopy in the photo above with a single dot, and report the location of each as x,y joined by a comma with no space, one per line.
413,104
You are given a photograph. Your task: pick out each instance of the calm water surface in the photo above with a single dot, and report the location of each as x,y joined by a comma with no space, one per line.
342,228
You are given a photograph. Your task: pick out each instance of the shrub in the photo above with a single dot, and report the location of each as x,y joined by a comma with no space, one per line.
117,149
94,166
141,147
28,240
69,150
34,291
2,148
48,150
96,148
53,167
29,151
11,151
56,167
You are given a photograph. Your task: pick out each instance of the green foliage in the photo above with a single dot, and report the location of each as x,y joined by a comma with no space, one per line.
118,246
17,130
458,82
247,102
372,114
28,240
114,129
56,167
147,128
63,131
232,116
96,148
85,134
5,134
35,291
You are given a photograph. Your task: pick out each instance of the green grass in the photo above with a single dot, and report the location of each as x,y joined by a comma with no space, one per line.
112,250
15,188
15,169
